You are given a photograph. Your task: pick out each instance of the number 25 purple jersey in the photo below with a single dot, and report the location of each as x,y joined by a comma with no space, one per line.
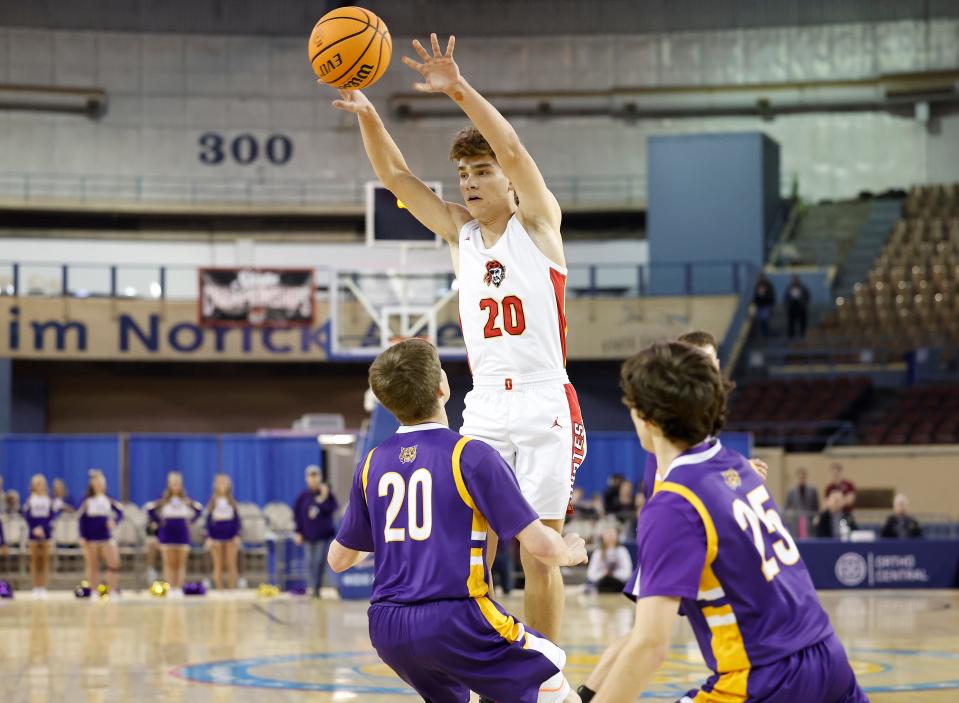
712,536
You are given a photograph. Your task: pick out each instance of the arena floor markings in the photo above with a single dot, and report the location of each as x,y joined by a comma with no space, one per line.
904,646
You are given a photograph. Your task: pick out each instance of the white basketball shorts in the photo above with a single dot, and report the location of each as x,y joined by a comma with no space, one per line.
535,423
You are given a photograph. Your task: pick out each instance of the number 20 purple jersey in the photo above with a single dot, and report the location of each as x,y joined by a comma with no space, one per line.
712,536
422,501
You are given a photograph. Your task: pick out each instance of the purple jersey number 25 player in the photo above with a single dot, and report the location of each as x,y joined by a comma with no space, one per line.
423,502
711,544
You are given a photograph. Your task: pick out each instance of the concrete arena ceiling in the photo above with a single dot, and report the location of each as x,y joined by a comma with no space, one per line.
464,17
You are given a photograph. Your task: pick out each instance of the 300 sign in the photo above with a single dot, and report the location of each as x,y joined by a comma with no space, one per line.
244,149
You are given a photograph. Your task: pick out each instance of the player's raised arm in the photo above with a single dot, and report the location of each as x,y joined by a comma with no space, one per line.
537,205
441,217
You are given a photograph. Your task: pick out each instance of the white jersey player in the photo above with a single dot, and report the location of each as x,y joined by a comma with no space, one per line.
508,255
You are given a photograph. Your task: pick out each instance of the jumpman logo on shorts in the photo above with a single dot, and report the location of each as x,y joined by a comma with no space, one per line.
556,424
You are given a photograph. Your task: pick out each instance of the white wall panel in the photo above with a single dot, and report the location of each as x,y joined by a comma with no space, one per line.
167,90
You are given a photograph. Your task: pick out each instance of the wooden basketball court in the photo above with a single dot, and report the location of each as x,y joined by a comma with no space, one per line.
903,644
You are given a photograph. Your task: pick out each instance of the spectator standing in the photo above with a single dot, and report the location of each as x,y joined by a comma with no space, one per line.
313,514
764,298
797,308
610,566
835,522
802,501
611,493
847,487
901,525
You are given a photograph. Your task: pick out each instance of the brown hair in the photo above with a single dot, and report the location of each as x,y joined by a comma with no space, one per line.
698,338
469,142
404,378
677,387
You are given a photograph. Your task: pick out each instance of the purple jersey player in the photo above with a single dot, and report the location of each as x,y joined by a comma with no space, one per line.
423,502
711,541
706,343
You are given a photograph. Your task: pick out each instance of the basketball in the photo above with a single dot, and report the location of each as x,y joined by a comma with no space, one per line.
350,48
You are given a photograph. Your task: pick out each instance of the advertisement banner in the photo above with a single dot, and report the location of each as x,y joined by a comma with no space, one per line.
256,297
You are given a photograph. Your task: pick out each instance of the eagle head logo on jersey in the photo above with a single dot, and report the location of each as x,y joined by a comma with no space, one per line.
495,273
408,454
732,478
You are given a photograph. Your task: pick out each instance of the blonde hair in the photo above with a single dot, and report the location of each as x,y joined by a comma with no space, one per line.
36,481
229,491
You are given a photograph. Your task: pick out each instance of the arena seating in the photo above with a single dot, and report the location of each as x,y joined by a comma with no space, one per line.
796,411
909,420
911,297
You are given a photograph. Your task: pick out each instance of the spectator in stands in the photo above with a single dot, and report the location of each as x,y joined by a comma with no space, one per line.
835,522
626,508
611,493
3,498
900,524
797,308
847,487
764,298
802,501
313,514
11,502
587,509
62,502
610,566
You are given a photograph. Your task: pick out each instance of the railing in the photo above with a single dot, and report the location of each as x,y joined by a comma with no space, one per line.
622,190
798,434
826,356
43,279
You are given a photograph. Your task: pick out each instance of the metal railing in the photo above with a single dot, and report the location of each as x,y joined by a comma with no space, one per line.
798,434
623,190
142,281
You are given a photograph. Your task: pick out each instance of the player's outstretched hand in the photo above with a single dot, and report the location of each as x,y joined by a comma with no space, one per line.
351,101
439,70
760,467
577,548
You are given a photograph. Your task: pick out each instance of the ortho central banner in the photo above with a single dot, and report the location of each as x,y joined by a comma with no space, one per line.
152,330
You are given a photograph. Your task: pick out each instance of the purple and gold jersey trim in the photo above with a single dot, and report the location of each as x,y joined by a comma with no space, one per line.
504,624
366,472
727,643
476,582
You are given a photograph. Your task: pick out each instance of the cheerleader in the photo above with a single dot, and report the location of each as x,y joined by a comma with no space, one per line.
98,516
223,531
173,514
40,514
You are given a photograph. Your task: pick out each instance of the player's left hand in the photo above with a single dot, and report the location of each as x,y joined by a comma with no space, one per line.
577,549
439,70
760,467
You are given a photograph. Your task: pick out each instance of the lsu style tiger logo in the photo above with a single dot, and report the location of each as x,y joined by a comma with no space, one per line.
495,273
408,454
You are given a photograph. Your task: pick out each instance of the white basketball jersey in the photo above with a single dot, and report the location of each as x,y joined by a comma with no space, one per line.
512,304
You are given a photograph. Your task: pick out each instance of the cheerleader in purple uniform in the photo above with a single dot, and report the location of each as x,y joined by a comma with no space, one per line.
223,531
173,514
39,511
99,515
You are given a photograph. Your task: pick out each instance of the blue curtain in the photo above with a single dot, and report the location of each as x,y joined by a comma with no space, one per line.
69,457
268,469
620,452
151,457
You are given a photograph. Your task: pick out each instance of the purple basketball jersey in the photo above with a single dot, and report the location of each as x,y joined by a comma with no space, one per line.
421,501
712,536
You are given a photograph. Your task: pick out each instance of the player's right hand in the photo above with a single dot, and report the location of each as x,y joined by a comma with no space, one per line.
577,548
352,101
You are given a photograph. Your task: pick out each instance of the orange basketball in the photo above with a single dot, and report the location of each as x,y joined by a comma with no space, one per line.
350,48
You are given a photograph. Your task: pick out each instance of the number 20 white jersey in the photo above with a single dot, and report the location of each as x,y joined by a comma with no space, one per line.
512,303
